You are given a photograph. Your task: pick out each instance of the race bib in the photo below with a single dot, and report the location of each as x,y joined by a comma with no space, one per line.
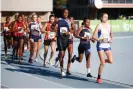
25,33
71,36
51,35
34,27
6,29
20,31
105,39
19,28
63,29
87,34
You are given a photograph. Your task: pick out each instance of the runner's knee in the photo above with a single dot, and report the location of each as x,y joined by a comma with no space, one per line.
102,63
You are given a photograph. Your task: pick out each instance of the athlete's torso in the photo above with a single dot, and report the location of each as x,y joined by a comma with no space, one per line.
35,29
6,28
64,26
104,33
85,32
18,26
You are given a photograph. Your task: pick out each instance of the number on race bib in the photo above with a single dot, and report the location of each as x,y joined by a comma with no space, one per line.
87,34
19,27
71,36
105,39
20,30
63,29
33,26
51,35
6,29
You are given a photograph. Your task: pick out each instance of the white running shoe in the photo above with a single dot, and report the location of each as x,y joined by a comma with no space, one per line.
36,60
25,47
63,74
51,62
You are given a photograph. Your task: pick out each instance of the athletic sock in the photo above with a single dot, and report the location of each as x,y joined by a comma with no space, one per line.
99,76
88,70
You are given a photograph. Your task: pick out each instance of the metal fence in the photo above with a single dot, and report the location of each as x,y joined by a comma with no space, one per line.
118,1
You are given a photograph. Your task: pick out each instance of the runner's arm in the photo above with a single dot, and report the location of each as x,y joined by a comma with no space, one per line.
2,27
78,32
27,28
72,30
95,33
44,29
93,40
14,29
111,35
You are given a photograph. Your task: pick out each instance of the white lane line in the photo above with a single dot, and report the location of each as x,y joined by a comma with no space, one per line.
4,86
107,81
94,78
43,79
123,37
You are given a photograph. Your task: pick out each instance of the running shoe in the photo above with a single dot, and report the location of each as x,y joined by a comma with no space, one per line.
57,49
13,57
89,75
30,60
5,57
68,73
25,47
16,57
73,59
36,60
44,65
51,61
63,74
99,81
22,58
56,62
19,62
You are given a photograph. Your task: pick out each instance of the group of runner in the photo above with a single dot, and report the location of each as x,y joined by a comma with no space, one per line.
26,34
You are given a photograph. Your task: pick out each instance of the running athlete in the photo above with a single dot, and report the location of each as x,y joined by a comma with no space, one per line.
35,37
63,36
18,33
7,35
50,38
24,19
25,33
104,39
11,28
39,42
70,45
84,34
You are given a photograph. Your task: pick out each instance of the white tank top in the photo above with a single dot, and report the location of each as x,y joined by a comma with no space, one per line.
104,33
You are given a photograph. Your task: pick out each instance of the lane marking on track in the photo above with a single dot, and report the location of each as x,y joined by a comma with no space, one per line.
123,37
42,79
4,86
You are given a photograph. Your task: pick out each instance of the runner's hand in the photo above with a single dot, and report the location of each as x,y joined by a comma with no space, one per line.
85,38
67,33
93,40
48,32
54,39
110,41
100,40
